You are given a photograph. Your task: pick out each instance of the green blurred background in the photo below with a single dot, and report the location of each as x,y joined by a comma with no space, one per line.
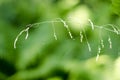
41,57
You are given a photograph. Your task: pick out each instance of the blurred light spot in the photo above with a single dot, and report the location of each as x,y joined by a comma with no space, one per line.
117,69
79,17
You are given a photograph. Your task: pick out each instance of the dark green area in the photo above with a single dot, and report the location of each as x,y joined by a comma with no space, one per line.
41,57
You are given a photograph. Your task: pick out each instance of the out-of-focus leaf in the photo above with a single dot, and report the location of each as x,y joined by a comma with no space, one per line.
116,6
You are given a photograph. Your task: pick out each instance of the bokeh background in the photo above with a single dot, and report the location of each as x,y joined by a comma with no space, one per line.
41,57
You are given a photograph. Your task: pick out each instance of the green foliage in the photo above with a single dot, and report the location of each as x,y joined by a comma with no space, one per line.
41,57
116,6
